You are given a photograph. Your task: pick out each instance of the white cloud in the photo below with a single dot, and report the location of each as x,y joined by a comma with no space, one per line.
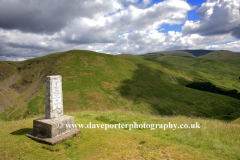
140,42
145,3
233,46
4,58
38,16
219,17
17,39
105,29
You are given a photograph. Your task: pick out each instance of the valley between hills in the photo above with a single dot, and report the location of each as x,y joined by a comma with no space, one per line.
153,83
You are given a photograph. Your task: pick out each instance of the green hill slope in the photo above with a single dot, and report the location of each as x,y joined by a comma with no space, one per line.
221,55
213,140
210,54
96,81
175,73
218,67
169,53
89,79
180,53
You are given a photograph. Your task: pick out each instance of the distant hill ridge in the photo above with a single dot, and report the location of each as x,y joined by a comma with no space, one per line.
211,54
198,53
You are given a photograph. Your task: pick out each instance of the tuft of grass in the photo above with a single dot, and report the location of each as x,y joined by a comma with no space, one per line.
142,142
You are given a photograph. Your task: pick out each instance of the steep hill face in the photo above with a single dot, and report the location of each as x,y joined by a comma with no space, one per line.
86,77
25,82
97,81
6,70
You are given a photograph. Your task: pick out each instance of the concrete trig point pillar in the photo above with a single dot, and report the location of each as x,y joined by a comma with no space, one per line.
54,98
52,128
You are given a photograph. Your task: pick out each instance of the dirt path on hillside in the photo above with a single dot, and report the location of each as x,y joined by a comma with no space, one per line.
186,78
173,79
176,80
9,94
8,82
8,101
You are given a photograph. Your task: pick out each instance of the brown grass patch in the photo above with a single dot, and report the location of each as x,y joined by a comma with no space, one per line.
85,73
97,100
84,58
101,59
122,60
70,99
109,86
2,97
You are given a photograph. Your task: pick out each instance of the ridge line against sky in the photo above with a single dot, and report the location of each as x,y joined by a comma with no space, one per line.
34,28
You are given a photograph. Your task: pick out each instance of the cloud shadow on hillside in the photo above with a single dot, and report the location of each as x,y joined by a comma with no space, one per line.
143,87
150,86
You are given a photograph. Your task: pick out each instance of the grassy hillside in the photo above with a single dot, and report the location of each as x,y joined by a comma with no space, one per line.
237,121
89,79
169,53
181,53
97,81
6,70
210,54
222,55
213,140
177,72
218,67
223,73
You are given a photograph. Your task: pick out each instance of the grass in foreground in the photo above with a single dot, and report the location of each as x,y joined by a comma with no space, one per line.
214,139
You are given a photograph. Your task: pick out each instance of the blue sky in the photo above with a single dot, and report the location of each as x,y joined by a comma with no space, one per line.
33,28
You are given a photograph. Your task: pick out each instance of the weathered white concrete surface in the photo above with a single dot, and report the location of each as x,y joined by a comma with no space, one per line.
54,97
49,128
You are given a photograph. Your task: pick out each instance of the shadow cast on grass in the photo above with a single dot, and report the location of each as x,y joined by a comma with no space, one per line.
209,87
21,131
147,86
152,87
